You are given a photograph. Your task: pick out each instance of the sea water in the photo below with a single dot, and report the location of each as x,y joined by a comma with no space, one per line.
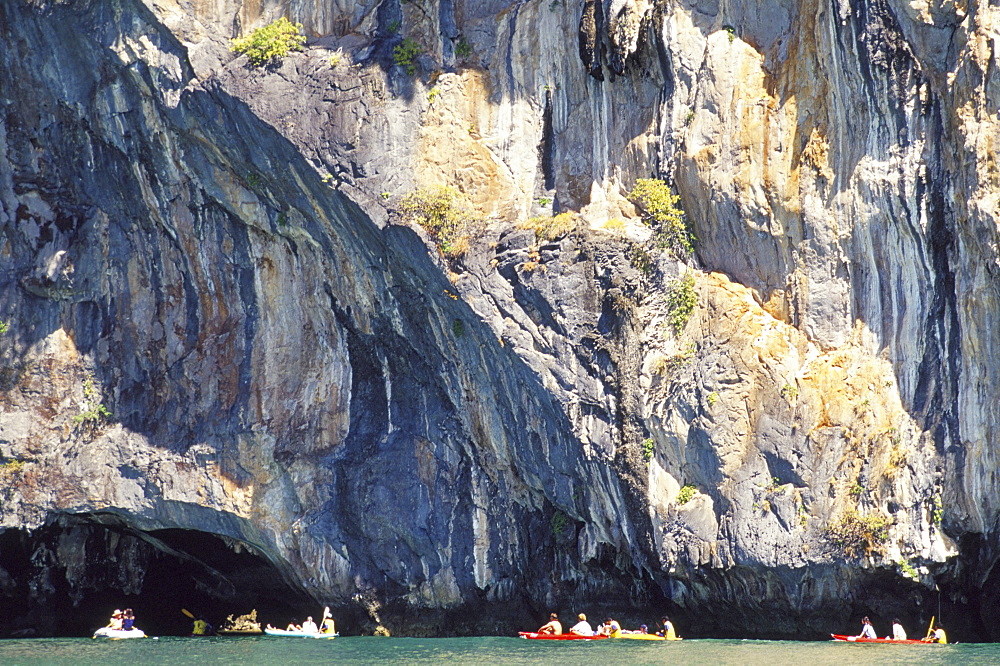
493,651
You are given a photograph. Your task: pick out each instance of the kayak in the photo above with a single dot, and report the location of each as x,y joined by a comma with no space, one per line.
532,635
107,632
646,637
857,639
299,634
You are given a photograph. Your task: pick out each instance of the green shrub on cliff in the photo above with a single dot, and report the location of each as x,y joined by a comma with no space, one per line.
681,300
270,42
96,411
405,53
444,213
463,49
4,326
658,206
648,447
559,523
685,494
855,533
551,228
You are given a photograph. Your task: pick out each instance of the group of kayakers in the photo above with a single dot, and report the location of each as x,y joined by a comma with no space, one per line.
310,626
610,627
935,633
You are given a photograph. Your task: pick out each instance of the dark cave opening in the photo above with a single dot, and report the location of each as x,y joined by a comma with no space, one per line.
66,578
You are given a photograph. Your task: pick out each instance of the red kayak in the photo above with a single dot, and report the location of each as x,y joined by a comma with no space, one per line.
858,639
558,637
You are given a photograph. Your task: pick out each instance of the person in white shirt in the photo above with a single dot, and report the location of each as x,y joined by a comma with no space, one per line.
898,634
582,628
867,630
309,626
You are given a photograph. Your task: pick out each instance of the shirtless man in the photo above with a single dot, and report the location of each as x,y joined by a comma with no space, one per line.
553,626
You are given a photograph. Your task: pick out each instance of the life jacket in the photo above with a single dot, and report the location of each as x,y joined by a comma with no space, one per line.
199,627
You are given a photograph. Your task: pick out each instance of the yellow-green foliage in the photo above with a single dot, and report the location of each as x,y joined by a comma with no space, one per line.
444,213
615,225
12,468
272,41
4,327
648,448
681,300
659,211
856,533
685,494
550,228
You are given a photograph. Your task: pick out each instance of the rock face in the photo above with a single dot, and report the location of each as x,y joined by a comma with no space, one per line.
225,350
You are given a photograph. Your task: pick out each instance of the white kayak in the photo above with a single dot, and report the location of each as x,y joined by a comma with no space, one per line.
298,634
108,632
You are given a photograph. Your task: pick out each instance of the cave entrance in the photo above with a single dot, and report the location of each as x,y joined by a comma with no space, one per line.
66,578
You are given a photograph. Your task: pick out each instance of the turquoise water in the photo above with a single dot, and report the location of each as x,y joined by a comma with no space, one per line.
487,650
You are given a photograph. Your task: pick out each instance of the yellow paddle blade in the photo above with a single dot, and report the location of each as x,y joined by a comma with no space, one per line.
188,613
930,627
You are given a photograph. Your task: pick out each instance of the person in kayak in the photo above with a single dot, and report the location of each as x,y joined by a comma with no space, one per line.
582,628
937,637
867,630
610,627
553,626
292,626
668,629
309,626
327,626
643,629
115,623
201,627
898,633
128,619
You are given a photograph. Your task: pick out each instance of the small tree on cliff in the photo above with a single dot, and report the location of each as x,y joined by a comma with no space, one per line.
858,533
444,213
658,206
270,42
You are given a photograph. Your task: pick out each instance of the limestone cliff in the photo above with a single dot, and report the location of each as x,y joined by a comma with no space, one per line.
230,365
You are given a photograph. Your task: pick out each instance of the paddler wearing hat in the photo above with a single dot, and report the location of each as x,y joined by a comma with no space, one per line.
116,620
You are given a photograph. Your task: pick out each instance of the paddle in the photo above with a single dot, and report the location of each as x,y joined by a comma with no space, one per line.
930,628
188,613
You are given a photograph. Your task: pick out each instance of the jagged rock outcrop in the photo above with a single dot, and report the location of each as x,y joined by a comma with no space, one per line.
209,252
